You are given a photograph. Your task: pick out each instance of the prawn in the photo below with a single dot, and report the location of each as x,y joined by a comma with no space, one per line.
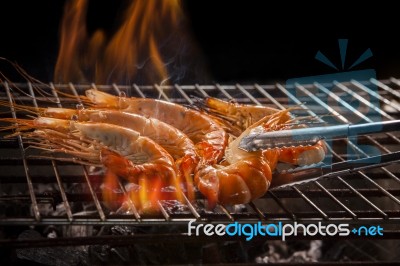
209,137
239,117
122,151
234,116
176,143
247,175
171,139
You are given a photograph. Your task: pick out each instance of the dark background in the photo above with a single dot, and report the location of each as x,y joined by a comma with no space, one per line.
241,41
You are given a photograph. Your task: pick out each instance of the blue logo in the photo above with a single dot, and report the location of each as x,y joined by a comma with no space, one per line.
345,97
280,230
374,230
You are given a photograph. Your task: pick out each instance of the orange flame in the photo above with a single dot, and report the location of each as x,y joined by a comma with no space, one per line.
136,52
148,194
147,189
135,47
110,190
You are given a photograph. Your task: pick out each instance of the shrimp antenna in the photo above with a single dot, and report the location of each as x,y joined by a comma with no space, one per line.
26,76
22,108
41,88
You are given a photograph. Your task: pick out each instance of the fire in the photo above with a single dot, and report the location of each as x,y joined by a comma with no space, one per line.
134,52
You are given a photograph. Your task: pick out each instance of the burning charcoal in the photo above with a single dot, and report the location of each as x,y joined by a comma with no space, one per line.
121,230
99,254
292,252
50,256
238,208
271,256
175,207
51,232
312,253
315,252
105,254
121,253
262,259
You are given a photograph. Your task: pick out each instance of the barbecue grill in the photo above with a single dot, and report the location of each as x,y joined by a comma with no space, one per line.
38,192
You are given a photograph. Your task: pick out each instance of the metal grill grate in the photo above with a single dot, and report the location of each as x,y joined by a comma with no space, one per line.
371,196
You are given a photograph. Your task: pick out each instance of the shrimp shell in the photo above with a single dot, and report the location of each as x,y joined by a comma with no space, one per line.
210,138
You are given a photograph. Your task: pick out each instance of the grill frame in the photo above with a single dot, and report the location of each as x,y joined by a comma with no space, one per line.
181,94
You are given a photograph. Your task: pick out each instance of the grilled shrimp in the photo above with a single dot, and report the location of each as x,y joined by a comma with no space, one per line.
209,137
171,139
236,117
247,175
301,155
124,152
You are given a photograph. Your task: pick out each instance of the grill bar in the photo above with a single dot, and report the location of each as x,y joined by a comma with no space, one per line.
303,89
95,198
369,138
377,189
53,163
363,100
342,118
344,103
21,146
269,97
257,210
224,92
321,187
184,95
366,119
162,93
130,202
324,215
314,115
387,88
374,94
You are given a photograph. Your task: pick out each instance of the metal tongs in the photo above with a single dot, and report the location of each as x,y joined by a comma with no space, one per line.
310,173
310,136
